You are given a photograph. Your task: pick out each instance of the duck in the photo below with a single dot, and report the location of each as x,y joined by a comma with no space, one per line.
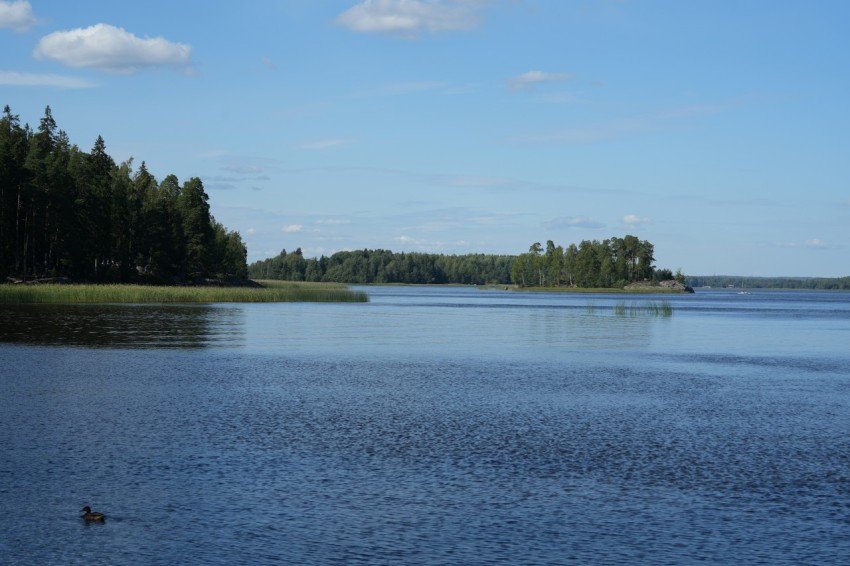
93,516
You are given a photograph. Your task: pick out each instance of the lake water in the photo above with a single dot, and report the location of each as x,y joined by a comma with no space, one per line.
430,426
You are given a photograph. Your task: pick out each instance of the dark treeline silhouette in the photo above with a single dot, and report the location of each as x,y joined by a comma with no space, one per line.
825,283
610,263
382,266
65,212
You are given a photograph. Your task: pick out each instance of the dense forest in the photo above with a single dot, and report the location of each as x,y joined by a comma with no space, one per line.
720,281
65,212
610,263
382,266
614,262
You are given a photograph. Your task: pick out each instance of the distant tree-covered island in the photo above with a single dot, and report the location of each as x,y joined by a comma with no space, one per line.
612,263
609,264
802,283
73,214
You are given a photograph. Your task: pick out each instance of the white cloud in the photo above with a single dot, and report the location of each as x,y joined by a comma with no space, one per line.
333,222
420,244
531,78
811,244
573,222
243,169
293,228
400,89
408,18
665,119
106,47
634,220
473,181
16,15
12,78
323,144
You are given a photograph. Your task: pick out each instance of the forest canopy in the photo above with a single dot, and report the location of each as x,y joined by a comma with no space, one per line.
614,262
67,212
383,266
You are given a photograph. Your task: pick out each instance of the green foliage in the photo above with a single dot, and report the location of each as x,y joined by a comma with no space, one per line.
64,212
610,263
383,266
141,294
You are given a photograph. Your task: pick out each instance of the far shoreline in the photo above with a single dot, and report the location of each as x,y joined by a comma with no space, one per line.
646,290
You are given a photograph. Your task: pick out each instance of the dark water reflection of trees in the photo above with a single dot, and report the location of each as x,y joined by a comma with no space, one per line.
124,326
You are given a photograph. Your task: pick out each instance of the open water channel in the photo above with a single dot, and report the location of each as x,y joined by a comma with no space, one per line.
430,426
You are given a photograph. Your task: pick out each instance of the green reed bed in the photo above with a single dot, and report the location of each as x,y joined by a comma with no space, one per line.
270,292
650,308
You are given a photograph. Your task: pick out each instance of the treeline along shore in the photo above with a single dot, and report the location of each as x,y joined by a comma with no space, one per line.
71,215
613,263
68,213
802,283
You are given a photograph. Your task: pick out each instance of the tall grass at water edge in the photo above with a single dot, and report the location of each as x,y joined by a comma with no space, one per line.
269,292
650,308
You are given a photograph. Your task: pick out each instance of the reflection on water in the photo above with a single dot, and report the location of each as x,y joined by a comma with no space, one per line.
429,426
122,326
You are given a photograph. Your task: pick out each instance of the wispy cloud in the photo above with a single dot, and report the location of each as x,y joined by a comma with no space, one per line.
810,244
16,15
110,48
12,78
670,118
333,222
409,18
420,244
292,228
221,183
323,144
531,78
248,166
243,168
633,220
472,181
397,89
573,222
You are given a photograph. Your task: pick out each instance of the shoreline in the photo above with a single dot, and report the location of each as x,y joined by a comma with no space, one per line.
126,293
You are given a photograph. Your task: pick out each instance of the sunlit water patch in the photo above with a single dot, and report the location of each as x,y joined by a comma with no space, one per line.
432,430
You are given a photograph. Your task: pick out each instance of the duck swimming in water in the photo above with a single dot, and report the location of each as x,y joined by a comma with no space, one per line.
93,516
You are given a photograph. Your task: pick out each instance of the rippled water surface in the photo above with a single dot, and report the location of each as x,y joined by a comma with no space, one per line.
430,426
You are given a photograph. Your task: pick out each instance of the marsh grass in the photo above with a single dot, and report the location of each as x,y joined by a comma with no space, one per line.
269,292
650,308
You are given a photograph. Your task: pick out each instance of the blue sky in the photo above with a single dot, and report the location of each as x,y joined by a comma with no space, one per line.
719,131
